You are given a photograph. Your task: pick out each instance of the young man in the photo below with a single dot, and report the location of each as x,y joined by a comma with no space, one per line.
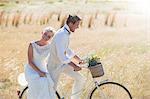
60,56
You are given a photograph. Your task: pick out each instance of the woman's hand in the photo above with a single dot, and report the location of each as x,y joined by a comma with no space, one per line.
42,74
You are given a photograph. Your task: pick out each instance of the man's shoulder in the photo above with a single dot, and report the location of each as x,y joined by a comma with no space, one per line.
61,32
60,35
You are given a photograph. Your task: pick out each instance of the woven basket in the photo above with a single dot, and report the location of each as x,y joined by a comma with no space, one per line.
97,70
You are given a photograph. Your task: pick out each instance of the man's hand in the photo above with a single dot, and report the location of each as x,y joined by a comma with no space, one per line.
79,60
82,62
77,68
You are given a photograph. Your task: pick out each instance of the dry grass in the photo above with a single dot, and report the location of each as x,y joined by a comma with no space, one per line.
124,55
90,22
2,17
63,21
20,17
16,19
124,51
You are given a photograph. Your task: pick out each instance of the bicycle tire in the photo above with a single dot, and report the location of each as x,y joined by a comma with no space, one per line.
25,89
23,92
107,91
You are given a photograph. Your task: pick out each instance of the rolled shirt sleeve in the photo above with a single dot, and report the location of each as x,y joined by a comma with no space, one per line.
62,48
70,53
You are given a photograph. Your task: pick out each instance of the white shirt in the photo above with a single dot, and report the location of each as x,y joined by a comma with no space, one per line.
62,45
60,53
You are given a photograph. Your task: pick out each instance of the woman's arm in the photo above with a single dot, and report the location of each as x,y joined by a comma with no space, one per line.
30,60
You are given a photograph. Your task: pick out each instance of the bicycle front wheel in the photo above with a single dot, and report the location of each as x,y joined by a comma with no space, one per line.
110,90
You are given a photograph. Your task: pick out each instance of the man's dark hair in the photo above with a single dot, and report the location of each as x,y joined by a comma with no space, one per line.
72,19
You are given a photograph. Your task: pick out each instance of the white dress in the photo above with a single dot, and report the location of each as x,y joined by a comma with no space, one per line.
39,87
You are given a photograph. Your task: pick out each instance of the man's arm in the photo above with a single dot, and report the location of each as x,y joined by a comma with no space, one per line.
61,52
76,68
71,54
78,59
61,42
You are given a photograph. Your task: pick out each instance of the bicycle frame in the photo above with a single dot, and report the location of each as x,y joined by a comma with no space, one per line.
94,81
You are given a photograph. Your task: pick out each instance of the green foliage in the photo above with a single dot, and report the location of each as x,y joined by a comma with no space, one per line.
93,60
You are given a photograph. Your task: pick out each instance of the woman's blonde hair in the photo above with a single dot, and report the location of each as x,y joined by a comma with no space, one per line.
48,29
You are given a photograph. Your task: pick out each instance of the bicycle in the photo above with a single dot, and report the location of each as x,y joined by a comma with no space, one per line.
102,90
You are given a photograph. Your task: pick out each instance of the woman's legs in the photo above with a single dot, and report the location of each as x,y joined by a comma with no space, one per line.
40,88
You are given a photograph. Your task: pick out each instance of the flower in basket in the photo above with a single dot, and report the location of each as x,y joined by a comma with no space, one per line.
93,60
95,65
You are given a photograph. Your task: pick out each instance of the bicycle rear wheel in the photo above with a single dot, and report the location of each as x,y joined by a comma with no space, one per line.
23,94
110,90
